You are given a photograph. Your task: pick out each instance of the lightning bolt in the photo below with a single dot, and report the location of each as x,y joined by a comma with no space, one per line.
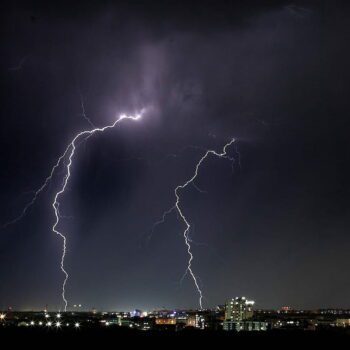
181,214
36,193
68,154
70,151
49,178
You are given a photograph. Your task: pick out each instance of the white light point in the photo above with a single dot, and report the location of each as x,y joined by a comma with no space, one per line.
76,325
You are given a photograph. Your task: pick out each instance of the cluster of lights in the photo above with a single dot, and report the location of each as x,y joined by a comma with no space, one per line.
58,323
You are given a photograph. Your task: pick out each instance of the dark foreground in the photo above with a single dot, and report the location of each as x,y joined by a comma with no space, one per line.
97,336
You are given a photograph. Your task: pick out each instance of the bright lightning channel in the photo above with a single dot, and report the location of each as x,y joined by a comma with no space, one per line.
69,152
36,194
177,207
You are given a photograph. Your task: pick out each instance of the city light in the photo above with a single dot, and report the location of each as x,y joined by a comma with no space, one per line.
237,314
2,316
58,315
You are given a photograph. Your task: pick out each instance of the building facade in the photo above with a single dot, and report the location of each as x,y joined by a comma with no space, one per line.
239,316
239,309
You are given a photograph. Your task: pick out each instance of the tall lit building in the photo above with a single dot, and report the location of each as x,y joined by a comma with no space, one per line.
238,309
239,316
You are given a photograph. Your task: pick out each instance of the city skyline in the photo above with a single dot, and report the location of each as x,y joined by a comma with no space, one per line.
79,308
236,315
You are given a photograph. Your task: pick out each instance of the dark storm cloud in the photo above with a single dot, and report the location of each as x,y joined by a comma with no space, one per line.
271,76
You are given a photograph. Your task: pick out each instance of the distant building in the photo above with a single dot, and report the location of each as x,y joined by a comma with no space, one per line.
285,309
165,321
191,321
196,320
200,321
342,322
245,326
239,316
136,313
238,309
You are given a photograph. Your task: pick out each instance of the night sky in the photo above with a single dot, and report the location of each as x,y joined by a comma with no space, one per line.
274,227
